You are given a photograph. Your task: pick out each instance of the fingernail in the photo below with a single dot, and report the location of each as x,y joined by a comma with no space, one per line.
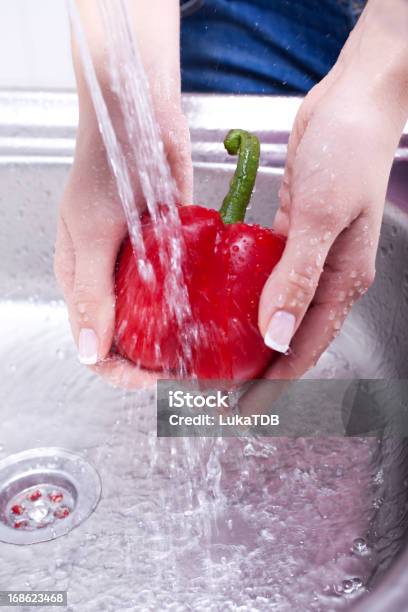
88,346
280,331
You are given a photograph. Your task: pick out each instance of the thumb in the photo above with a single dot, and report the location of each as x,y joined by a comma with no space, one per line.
91,304
289,290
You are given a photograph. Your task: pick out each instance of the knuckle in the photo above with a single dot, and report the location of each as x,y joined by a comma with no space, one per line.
324,218
96,239
364,278
303,282
89,297
369,277
359,283
85,297
62,272
284,196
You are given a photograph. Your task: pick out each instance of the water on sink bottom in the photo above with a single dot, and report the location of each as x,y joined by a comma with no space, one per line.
183,524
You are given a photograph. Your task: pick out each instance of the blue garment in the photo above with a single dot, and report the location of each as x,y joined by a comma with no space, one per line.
263,46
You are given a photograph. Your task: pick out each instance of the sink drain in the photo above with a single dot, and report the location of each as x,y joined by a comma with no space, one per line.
44,494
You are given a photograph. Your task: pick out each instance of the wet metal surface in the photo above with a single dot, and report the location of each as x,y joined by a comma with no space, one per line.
201,525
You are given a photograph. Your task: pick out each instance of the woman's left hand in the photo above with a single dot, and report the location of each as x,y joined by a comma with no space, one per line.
340,155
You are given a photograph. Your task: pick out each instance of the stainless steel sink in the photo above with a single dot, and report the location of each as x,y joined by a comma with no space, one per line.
195,524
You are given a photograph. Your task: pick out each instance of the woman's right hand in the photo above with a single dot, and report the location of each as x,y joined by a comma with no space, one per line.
91,222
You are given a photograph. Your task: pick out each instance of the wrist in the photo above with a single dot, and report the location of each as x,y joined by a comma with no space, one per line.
377,50
155,24
374,61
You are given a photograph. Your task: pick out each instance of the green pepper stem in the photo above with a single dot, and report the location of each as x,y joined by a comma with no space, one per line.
247,147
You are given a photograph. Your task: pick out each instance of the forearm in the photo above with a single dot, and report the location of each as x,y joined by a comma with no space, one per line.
157,31
376,56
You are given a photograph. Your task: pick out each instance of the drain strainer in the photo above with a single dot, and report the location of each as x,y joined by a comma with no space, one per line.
44,493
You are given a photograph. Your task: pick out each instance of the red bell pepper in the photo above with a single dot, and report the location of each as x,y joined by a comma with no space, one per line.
225,267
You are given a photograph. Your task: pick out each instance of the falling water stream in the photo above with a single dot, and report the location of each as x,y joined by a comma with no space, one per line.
234,524
129,83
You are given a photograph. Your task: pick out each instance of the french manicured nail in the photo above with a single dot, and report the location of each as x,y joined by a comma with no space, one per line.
88,346
280,331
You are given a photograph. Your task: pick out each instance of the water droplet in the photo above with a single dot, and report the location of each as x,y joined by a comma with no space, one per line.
358,583
347,586
267,535
360,546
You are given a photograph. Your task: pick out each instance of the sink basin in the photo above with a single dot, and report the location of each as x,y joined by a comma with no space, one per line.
195,524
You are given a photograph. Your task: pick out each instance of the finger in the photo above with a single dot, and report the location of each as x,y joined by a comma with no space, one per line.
281,221
261,396
289,290
319,328
64,259
348,274
119,372
91,303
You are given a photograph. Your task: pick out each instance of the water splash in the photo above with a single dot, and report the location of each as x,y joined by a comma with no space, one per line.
129,83
116,156
192,461
208,512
